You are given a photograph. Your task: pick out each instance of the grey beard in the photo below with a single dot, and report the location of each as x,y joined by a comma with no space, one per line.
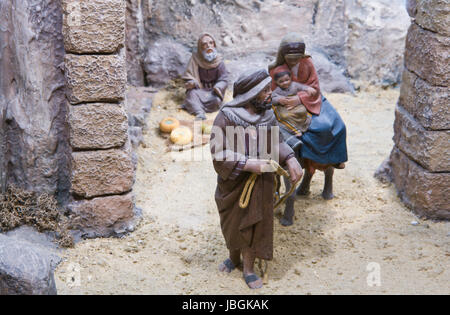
211,56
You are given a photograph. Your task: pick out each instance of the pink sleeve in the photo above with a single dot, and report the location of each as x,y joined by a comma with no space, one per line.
312,103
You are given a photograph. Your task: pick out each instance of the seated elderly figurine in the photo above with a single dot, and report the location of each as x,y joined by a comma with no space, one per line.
206,79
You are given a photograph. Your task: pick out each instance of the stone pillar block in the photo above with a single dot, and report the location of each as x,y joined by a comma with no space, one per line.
93,26
101,173
426,193
95,78
434,15
430,149
428,104
104,216
98,126
427,55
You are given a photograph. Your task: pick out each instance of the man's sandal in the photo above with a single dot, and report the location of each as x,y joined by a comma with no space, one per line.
250,279
229,265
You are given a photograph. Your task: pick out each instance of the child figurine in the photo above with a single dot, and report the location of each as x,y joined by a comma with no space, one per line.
293,121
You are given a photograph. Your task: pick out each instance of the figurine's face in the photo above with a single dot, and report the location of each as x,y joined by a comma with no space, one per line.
291,61
264,95
208,47
207,44
284,82
263,101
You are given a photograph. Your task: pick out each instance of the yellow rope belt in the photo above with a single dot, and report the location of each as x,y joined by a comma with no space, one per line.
250,184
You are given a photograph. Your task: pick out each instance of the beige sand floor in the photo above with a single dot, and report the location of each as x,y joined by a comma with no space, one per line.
178,246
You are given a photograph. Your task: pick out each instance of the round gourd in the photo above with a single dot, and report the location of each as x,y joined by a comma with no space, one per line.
168,124
181,136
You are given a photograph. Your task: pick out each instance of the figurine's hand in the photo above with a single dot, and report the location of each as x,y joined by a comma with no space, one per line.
253,166
310,91
218,93
283,101
295,170
259,166
190,85
292,102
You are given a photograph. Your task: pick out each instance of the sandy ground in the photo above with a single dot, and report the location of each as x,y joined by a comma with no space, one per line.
331,249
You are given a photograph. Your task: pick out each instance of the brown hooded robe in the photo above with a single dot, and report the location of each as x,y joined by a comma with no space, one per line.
251,227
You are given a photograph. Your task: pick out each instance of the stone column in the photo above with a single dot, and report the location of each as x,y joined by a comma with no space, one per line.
102,172
420,160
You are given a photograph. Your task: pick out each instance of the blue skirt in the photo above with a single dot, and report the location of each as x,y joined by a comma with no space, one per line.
325,142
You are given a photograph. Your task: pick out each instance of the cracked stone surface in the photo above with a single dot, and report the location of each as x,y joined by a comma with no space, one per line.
98,126
427,193
104,216
434,15
100,173
93,26
427,103
428,148
95,78
427,55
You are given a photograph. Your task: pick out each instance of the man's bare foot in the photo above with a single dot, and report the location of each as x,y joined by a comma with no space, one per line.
253,281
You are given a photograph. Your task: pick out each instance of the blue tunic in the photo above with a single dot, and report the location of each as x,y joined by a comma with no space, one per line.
325,142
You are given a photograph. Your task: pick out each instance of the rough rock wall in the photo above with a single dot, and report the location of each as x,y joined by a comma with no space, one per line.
27,263
102,172
362,39
2,149
420,160
376,32
33,132
134,42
